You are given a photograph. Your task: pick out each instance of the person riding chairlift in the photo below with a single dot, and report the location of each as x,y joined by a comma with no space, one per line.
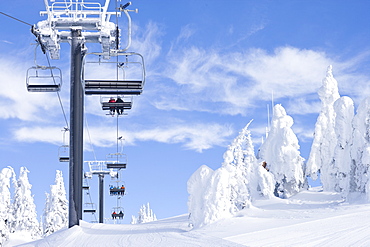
112,108
119,108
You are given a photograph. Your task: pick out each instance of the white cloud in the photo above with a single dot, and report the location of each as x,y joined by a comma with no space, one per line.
212,81
196,136
16,101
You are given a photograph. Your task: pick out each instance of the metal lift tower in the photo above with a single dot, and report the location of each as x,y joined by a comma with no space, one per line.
77,22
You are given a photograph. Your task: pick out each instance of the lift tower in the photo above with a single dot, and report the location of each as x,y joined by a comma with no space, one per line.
77,22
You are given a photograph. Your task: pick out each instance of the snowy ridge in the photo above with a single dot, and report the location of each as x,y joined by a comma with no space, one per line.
310,218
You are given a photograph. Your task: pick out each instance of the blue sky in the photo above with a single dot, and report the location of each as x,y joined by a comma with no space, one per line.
211,67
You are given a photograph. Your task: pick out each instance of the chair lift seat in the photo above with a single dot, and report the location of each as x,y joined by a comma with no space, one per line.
123,87
116,165
117,190
120,216
43,88
124,105
63,159
89,210
44,79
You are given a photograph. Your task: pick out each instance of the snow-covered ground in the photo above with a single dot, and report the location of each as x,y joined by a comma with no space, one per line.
310,218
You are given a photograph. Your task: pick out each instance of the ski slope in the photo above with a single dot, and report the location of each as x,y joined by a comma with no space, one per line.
310,218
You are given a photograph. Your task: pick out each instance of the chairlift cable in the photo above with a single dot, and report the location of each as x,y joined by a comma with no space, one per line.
88,133
16,19
60,100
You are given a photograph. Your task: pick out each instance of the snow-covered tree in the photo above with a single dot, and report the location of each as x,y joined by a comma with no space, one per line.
5,205
341,164
214,195
145,215
24,208
197,185
56,207
360,151
239,163
281,153
324,142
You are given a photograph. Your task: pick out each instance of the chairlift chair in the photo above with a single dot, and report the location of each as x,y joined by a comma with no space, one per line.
118,213
116,106
122,74
116,161
64,153
44,79
89,208
117,190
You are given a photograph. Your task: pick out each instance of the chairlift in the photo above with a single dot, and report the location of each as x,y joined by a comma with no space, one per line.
117,190
122,74
116,161
43,78
63,151
118,213
89,207
116,104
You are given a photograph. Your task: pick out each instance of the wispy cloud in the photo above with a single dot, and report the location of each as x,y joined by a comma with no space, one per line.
193,136
212,81
6,41
15,100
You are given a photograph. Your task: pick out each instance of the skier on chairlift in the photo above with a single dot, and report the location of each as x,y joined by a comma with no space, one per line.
119,108
112,108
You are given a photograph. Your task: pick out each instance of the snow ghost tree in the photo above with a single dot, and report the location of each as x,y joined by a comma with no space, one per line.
341,163
56,207
281,153
239,160
197,185
5,206
324,142
219,194
145,215
23,208
360,151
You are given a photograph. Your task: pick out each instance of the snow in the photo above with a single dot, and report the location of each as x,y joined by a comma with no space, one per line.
324,141
309,218
281,153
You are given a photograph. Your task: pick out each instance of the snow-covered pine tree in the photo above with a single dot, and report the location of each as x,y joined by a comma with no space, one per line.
249,179
324,142
145,215
341,163
197,185
5,205
56,207
214,195
360,151
24,208
281,153
240,165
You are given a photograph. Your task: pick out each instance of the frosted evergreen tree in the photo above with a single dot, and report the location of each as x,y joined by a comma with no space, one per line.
324,142
250,179
197,185
145,215
6,175
24,208
341,164
282,155
214,195
56,207
238,161
360,151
